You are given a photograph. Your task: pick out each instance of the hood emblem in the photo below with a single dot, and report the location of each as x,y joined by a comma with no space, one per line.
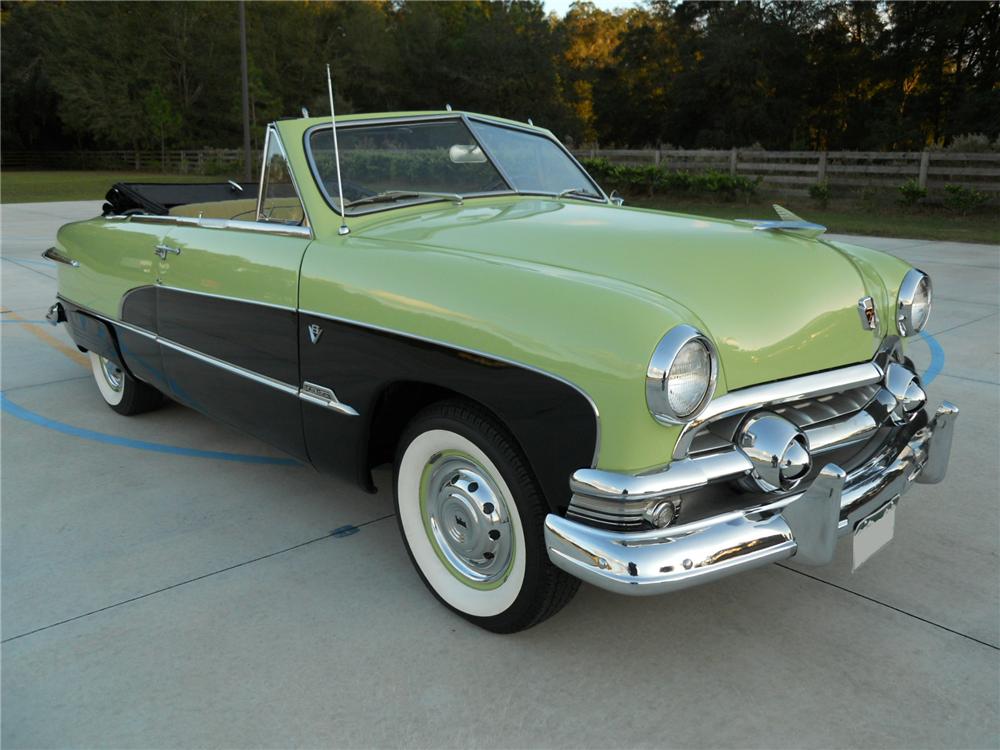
868,313
315,332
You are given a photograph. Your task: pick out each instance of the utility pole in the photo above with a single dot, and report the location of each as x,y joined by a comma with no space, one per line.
247,165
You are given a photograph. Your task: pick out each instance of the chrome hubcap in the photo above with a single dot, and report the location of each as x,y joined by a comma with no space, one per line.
467,519
112,374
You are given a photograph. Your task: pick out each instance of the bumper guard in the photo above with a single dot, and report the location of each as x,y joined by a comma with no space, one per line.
805,525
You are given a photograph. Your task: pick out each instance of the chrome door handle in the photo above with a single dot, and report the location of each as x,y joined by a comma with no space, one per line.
162,251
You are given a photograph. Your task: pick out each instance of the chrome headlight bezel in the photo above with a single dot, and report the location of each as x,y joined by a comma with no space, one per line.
658,374
909,292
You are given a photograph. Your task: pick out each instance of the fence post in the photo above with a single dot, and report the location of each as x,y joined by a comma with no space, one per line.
925,159
658,155
732,162
821,169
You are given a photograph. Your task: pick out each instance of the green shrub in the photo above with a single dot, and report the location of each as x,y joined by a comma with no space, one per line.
820,193
969,143
650,180
911,193
964,200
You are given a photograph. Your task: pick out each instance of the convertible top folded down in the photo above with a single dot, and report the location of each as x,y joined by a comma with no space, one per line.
159,198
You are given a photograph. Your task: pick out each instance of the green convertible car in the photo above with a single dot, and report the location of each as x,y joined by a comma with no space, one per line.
566,388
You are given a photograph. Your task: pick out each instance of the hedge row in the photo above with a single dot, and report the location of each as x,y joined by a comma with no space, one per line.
650,180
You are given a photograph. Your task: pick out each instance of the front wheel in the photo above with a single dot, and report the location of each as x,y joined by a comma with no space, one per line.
121,391
471,515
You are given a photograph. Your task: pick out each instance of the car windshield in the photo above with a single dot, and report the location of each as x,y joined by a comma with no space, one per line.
533,162
405,162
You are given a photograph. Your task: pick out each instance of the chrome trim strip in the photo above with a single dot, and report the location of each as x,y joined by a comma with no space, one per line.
479,353
238,225
325,397
778,392
226,297
54,255
228,367
206,358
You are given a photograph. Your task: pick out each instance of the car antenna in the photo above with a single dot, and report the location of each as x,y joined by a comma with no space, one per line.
336,157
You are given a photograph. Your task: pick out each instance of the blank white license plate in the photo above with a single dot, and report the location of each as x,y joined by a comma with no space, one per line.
874,532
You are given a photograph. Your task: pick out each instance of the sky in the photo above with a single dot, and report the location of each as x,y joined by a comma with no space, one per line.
561,6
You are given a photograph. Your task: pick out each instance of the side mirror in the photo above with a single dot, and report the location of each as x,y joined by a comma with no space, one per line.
461,154
616,199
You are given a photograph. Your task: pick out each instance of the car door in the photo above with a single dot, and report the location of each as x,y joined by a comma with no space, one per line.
227,311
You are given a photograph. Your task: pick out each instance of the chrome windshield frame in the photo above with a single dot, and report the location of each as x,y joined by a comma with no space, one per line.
463,117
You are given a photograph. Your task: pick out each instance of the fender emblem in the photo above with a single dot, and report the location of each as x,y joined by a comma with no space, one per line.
868,313
315,332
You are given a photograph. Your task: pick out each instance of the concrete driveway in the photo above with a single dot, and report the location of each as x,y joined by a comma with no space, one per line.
168,582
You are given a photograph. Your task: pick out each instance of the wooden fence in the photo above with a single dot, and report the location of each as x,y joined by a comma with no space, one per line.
780,171
211,161
794,171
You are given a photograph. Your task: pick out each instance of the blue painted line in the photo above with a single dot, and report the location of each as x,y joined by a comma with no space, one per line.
27,415
937,358
342,531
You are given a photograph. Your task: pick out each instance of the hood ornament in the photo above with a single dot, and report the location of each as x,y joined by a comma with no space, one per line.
788,222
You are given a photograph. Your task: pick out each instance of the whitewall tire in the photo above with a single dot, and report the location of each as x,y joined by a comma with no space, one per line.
471,516
120,390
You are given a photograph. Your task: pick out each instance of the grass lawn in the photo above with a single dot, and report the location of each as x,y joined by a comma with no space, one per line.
37,187
846,217
841,217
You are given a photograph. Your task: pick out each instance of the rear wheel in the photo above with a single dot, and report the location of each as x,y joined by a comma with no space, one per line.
121,391
471,515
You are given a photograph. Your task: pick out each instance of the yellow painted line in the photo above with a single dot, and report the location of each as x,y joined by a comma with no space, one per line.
71,352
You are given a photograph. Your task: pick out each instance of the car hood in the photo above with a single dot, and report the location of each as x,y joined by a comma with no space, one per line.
775,305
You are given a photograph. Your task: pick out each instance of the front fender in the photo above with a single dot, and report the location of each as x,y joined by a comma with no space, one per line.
594,332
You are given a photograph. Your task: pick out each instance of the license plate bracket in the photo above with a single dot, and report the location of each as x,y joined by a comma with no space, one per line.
874,532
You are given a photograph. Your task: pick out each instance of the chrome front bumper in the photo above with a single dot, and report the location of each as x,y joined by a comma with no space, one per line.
804,525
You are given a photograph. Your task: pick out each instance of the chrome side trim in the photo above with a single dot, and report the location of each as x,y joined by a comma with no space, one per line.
479,353
779,392
325,397
228,367
226,297
238,225
54,255
206,358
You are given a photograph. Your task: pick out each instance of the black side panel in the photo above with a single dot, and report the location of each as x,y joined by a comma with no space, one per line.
254,337
260,410
139,307
140,354
554,423
90,333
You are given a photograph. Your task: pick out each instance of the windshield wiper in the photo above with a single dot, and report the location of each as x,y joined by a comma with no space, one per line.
390,196
579,193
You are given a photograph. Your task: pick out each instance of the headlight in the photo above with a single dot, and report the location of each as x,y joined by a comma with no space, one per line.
913,305
681,375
